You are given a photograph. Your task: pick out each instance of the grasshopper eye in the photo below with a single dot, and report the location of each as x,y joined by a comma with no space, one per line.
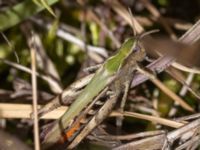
136,49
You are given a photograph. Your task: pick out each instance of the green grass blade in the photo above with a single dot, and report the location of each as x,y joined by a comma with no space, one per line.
46,5
16,14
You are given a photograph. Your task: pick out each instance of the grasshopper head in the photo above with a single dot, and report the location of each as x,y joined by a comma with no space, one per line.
138,51
138,47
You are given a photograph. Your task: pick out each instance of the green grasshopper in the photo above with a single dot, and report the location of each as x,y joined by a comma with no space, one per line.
115,74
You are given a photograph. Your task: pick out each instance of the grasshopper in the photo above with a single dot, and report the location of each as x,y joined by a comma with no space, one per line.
115,74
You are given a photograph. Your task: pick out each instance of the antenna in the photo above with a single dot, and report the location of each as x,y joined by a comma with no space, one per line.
132,22
148,32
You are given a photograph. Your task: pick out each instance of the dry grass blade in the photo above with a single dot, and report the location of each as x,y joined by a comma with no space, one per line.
150,143
192,35
187,145
17,111
159,120
190,117
132,136
34,91
171,94
185,68
172,136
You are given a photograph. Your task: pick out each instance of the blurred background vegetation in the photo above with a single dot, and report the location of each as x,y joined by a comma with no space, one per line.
61,26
